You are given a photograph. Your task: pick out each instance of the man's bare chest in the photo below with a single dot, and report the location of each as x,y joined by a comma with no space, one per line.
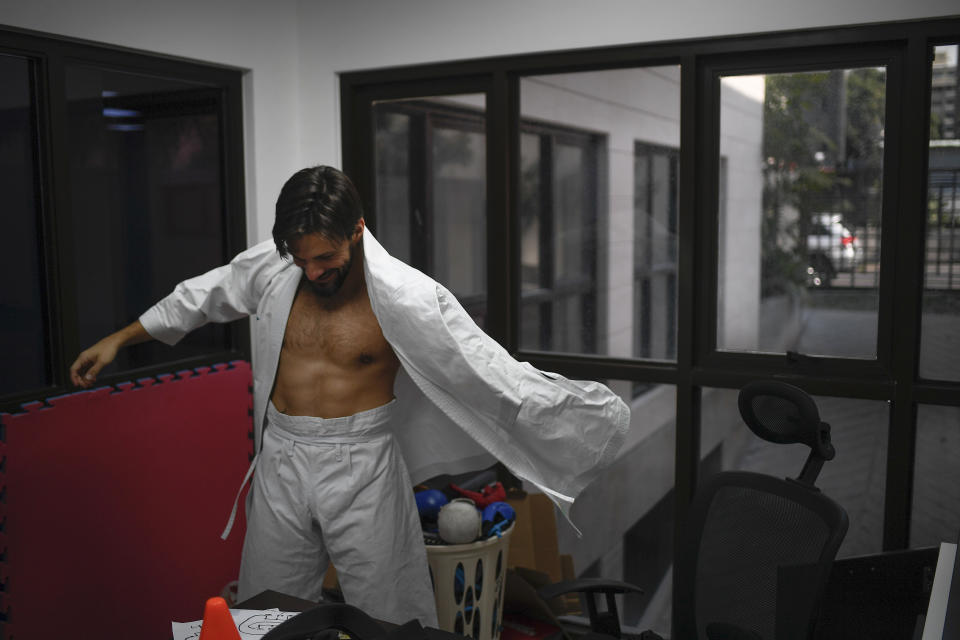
348,335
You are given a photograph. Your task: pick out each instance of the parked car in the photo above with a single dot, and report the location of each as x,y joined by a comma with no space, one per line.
831,248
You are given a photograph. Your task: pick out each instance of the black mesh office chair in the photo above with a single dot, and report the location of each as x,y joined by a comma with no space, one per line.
758,549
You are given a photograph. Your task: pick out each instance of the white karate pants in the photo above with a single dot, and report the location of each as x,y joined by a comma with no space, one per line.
337,490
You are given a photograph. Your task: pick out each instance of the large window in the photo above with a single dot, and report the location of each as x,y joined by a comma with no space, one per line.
118,173
678,219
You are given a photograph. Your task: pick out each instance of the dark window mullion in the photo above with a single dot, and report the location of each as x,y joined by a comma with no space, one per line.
503,240
589,326
420,186
647,289
45,241
692,323
909,169
546,240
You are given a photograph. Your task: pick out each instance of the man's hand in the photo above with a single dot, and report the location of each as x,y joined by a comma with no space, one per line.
84,370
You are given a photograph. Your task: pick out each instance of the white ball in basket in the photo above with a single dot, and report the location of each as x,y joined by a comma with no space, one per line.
459,521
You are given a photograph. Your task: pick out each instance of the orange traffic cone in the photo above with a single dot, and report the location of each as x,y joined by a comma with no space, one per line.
218,624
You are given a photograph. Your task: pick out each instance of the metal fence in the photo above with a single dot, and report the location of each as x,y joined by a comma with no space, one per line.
943,230
942,255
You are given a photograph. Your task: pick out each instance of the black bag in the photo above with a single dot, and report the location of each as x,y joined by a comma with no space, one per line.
324,621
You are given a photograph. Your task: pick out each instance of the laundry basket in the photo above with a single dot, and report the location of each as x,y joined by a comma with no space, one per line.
468,584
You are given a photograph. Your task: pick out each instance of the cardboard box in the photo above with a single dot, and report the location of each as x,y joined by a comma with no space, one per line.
533,544
533,547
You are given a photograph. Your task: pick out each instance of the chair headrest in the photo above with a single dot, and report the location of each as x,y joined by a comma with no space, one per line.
785,414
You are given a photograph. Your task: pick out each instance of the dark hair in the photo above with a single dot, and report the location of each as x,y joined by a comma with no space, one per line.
316,200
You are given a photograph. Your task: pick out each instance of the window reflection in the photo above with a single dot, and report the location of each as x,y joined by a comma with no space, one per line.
145,186
935,517
599,199
430,167
631,506
558,238
855,478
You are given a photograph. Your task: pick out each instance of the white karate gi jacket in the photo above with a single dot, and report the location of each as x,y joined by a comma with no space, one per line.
461,397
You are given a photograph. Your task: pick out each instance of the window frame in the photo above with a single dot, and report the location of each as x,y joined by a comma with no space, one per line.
790,61
49,55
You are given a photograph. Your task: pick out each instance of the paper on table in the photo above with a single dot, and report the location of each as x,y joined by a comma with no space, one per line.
251,623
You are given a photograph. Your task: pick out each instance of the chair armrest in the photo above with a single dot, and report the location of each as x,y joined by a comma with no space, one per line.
586,585
606,622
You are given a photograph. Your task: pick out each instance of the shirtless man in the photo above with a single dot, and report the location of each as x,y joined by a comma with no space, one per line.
339,327
330,482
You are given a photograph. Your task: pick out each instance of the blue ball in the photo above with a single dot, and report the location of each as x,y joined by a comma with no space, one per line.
429,503
497,513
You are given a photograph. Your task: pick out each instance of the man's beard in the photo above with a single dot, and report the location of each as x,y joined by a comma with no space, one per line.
329,288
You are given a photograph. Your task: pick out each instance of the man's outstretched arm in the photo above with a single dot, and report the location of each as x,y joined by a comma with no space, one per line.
84,370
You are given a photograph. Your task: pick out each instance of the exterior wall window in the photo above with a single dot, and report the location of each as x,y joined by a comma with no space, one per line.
656,202
431,213
558,255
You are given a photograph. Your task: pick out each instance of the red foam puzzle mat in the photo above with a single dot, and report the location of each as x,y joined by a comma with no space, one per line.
113,504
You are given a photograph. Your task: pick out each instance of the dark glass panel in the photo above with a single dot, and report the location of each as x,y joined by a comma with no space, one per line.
23,339
145,158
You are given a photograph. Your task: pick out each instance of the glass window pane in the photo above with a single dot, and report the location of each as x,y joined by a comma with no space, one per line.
459,197
628,512
392,159
147,202
530,202
801,170
940,344
23,340
431,184
598,243
935,516
855,478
